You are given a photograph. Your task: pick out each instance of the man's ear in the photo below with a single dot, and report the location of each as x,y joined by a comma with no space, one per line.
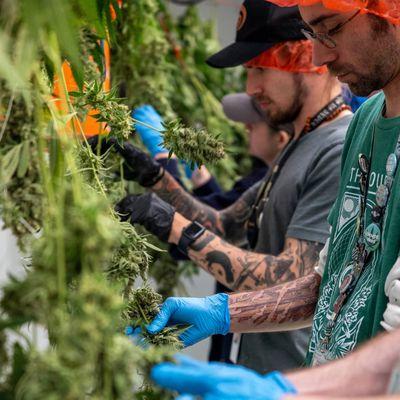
283,139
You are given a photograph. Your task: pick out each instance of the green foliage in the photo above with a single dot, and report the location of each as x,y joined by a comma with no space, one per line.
37,30
178,83
20,185
199,88
139,58
143,305
109,108
84,261
131,258
80,284
195,146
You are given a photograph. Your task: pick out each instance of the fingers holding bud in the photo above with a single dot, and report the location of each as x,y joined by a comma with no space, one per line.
101,144
138,166
148,210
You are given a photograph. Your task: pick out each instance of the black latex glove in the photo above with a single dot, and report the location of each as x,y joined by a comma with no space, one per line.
148,210
138,165
105,144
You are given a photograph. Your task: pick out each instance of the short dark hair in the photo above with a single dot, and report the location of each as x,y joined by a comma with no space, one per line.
379,25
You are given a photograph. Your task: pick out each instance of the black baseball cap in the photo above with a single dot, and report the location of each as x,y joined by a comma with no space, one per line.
261,25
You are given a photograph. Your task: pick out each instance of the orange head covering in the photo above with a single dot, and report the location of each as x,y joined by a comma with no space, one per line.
293,56
388,9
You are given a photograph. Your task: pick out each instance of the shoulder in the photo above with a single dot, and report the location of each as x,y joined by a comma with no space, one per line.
373,104
330,138
366,113
362,120
335,132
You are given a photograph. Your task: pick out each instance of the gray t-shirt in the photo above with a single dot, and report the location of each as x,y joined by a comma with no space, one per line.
298,207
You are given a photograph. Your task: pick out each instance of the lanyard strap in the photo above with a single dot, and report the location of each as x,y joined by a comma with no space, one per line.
328,112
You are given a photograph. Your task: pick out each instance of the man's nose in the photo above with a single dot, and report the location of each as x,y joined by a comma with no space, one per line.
253,84
322,55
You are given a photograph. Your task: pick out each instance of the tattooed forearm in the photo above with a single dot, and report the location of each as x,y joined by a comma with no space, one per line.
235,217
244,270
170,190
283,307
228,224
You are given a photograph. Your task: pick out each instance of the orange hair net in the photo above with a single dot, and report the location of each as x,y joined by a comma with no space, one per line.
388,9
293,56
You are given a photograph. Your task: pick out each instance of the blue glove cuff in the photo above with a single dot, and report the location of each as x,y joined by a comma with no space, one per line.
156,148
151,138
221,301
282,382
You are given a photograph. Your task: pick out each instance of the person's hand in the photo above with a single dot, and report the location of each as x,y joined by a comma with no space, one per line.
151,138
206,316
218,381
148,210
138,165
100,144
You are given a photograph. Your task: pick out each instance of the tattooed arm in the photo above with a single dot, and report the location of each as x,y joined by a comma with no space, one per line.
229,223
240,269
283,307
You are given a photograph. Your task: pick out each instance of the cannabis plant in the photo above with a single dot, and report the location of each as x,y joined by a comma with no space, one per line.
58,197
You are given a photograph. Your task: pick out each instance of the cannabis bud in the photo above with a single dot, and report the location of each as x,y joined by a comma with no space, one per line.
195,146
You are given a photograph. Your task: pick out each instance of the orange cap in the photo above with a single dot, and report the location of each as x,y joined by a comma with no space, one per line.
293,56
388,9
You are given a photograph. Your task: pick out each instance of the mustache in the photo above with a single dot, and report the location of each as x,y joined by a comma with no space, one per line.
337,69
262,99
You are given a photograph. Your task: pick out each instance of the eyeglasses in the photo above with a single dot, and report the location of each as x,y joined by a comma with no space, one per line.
326,38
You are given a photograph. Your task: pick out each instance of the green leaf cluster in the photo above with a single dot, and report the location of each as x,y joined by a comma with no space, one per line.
54,191
109,108
195,146
20,185
139,58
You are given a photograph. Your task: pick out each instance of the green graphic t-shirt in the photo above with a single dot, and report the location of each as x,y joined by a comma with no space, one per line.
361,315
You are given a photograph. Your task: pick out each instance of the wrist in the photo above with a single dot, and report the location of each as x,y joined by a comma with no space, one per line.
161,155
200,177
154,176
179,223
222,317
282,382
226,317
189,235
155,149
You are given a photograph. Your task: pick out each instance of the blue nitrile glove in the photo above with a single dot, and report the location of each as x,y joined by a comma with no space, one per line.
136,337
220,381
206,316
151,138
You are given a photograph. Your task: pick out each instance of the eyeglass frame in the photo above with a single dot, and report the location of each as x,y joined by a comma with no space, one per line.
325,38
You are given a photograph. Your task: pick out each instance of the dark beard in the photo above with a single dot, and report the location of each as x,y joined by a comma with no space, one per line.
368,84
382,63
289,115
365,87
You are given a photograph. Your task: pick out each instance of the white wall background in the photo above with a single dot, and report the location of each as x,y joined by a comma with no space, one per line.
225,12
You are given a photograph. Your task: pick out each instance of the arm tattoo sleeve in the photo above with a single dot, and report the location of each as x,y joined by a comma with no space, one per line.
239,269
228,224
283,307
